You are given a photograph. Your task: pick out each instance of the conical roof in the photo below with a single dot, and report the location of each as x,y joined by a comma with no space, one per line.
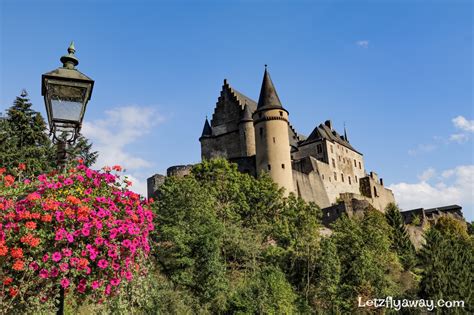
268,95
246,114
207,130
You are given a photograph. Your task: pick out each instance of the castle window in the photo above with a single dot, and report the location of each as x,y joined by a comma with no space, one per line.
331,149
355,178
355,163
342,177
283,166
339,158
322,176
319,148
273,139
333,163
360,166
269,167
375,192
349,178
281,113
335,176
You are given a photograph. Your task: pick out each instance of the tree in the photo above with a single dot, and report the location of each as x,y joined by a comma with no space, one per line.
328,277
399,237
368,266
447,262
23,139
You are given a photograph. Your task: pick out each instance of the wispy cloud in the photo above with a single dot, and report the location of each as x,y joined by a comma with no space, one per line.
112,136
465,126
454,186
363,43
422,148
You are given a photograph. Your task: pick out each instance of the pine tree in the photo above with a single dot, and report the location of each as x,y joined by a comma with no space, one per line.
447,259
82,149
328,276
24,139
399,237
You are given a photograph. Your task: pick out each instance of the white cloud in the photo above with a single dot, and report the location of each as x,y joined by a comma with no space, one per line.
454,186
459,138
427,174
462,123
112,135
363,43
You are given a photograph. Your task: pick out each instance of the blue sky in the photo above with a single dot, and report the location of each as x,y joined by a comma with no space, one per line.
399,73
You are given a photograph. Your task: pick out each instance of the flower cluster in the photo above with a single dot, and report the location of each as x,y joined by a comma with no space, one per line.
82,230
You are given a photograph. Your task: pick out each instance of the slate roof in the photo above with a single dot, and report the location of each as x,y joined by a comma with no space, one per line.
324,132
268,96
207,130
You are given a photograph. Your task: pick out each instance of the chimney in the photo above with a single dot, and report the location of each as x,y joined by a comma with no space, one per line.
381,181
328,123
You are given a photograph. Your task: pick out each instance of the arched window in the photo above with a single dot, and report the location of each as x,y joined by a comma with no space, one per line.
375,192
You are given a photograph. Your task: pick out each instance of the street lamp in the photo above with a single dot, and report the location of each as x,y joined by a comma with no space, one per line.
66,92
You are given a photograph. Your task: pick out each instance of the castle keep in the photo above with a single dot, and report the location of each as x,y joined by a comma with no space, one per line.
260,138
323,167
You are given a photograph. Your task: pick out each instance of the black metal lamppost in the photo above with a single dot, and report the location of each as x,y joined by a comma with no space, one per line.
66,92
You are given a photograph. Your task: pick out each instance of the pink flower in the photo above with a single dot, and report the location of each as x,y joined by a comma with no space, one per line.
68,182
115,282
95,284
108,289
34,265
44,273
54,272
56,256
64,267
128,275
102,264
70,238
59,216
99,241
126,243
81,288
45,257
65,282
88,191
67,252
85,232
42,178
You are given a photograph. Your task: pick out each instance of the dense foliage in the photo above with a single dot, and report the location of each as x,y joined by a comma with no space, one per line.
447,259
24,140
82,230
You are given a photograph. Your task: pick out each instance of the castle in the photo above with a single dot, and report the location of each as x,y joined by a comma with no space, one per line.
323,167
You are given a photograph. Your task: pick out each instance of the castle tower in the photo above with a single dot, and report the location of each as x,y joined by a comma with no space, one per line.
247,132
205,137
271,136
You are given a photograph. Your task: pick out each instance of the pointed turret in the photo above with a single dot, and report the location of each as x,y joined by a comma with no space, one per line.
246,114
268,95
207,130
272,143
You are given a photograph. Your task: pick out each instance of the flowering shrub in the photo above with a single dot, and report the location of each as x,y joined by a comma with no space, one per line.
82,230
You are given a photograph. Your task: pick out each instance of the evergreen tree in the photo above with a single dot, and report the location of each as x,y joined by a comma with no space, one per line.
399,237
328,277
24,139
447,260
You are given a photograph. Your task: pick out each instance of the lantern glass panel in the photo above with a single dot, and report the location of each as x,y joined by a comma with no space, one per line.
67,102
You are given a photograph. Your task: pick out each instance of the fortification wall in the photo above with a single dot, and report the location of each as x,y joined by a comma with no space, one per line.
226,146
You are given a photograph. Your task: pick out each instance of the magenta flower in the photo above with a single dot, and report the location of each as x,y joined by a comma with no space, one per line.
115,282
67,252
44,273
54,272
56,256
64,267
65,282
102,264
45,257
95,284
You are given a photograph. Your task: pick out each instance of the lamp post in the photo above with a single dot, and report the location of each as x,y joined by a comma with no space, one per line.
66,92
